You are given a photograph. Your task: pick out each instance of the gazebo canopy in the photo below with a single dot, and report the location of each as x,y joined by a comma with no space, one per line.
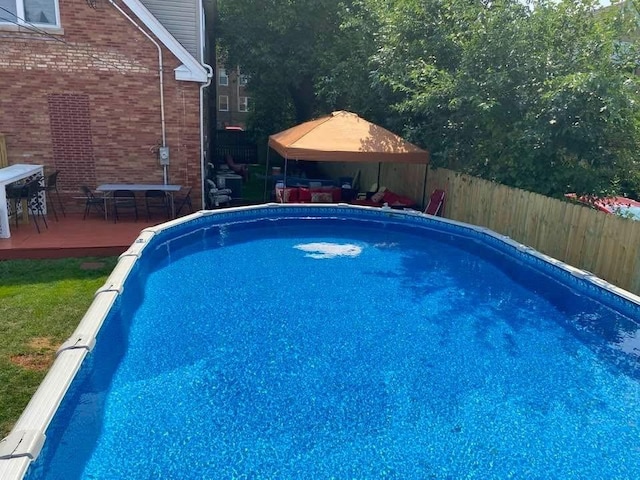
345,137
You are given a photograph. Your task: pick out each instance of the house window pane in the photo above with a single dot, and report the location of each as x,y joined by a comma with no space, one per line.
224,79
243,104
223,103
6,17
40,11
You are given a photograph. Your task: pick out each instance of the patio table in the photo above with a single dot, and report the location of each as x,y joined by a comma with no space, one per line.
11,174
169,189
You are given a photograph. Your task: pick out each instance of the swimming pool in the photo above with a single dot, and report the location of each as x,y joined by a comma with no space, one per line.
345,342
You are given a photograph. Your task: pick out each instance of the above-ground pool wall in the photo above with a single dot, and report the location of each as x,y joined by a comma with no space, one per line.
26,440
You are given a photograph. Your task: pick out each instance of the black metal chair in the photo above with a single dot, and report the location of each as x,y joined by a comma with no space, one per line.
124,199
91,201
34,189
16,192
50,186
157,200
181,202
30,192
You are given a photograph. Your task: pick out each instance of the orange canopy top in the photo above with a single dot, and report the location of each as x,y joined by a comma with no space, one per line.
345,137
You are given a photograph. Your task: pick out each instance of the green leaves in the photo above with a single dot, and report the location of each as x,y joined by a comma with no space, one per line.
285,47
541,96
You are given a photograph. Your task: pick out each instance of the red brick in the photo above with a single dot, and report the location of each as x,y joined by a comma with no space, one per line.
90,107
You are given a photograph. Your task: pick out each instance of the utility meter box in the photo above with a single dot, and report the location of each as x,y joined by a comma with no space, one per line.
163,153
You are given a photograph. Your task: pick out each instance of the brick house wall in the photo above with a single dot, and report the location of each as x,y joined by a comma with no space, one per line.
86,101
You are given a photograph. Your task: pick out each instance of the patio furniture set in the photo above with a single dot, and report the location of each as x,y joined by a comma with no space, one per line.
325,191
117,198
25,192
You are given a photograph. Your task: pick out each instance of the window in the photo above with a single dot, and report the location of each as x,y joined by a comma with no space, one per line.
223,77
243,104
223,103
244,79
25,12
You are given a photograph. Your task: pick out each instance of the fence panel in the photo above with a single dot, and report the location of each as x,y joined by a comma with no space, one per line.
604,244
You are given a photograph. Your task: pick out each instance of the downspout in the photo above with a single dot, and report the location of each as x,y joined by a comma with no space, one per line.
161,72
202,155
202,87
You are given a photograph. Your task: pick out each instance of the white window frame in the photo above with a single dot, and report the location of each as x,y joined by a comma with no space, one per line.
226,97
243,104
243,80
20,14
222,73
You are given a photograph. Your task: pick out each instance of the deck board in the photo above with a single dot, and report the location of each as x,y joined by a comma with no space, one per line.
72,236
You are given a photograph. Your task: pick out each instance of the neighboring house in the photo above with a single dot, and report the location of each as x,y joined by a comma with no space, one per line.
81,90
233,98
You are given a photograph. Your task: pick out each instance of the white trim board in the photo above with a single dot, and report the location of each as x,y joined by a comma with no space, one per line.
191,69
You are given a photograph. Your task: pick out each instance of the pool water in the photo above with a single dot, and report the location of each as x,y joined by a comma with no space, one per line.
333,349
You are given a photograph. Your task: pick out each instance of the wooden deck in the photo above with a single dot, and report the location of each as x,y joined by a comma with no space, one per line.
72,236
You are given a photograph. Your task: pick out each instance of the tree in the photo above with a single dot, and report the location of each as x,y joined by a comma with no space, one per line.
530,97
284,47
543,97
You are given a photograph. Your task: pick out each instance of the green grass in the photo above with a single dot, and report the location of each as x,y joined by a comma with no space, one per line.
41,303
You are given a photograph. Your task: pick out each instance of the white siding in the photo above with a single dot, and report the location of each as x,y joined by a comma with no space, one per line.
181,18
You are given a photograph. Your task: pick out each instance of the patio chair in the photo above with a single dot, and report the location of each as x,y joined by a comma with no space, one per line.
436,203
217,195
157,200
31,193
34,202
91,201
183,201
16,193
50,186
124,200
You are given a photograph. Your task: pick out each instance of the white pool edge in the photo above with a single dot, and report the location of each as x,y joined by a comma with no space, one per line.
25,441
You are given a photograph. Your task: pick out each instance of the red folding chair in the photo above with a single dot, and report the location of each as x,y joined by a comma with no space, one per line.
436,203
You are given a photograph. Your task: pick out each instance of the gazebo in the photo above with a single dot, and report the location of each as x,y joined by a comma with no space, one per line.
344,137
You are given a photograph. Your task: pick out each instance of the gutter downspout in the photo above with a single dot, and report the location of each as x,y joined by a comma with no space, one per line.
161,72
202,87
202,154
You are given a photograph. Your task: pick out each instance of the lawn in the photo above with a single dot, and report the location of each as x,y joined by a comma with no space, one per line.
41,303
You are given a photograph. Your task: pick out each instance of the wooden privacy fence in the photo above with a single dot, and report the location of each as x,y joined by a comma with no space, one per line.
604,244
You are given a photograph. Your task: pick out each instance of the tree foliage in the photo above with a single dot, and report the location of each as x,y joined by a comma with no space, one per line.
538,98
542,96
284,46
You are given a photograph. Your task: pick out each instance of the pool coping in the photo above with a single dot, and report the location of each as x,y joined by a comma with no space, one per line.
25,441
